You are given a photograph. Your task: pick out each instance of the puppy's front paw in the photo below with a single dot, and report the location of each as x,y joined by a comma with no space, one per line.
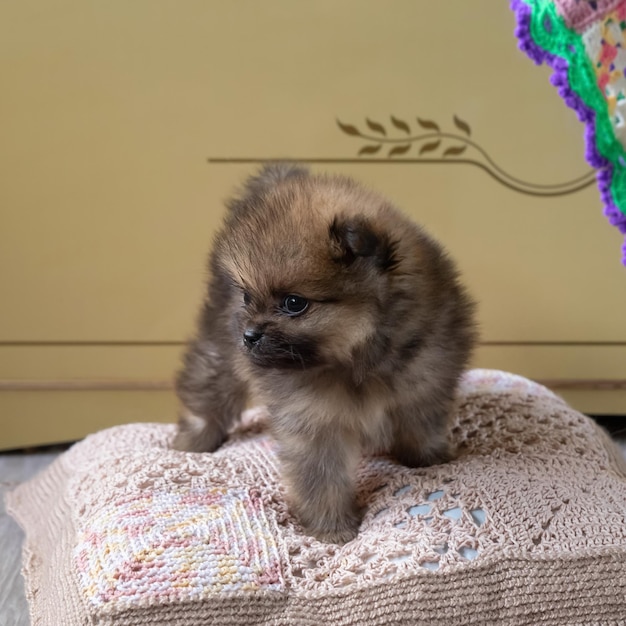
339,535
335,528
197,435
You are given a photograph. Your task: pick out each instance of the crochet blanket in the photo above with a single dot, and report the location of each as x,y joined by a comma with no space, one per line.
583,41
526,526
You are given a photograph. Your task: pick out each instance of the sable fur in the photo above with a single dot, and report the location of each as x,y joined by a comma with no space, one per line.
371,365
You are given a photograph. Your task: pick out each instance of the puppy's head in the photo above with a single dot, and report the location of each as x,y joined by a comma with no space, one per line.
309,260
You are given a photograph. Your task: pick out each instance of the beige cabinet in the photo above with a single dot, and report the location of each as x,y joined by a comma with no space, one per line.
126,124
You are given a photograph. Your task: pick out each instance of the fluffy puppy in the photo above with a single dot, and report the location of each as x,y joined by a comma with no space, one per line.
345,319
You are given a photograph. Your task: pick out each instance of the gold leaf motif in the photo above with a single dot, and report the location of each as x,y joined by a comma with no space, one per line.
428,124
376,127
348,129
454,150
400,124
370,149
461,125
429,147
400,149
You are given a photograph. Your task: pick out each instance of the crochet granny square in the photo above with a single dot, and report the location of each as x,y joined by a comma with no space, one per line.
526,526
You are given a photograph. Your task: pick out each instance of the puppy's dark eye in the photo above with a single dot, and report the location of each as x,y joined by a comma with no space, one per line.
246,298
294,305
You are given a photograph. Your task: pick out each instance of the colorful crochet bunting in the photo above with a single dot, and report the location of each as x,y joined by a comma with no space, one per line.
584,42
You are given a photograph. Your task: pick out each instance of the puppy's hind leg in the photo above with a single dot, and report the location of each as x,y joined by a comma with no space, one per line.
212,397
420,433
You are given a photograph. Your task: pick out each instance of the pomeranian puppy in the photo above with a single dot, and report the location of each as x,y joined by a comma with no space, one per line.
344,318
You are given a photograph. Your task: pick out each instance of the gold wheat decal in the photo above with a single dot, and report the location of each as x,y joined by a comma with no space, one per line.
423,141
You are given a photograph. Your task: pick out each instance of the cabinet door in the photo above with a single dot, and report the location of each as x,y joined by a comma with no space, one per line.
125,125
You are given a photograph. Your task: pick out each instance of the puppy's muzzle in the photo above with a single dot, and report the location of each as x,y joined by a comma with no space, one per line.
252,336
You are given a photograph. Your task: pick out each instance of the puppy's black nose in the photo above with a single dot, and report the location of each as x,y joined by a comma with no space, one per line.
251,336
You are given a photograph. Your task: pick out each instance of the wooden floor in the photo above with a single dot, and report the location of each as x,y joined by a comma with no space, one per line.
14,469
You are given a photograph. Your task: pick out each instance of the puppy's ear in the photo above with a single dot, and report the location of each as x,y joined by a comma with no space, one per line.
273,174
257,185
352,238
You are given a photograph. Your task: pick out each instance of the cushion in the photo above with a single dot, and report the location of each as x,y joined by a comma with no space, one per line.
526,526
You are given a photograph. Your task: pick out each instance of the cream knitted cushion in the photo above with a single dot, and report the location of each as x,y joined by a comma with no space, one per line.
527,526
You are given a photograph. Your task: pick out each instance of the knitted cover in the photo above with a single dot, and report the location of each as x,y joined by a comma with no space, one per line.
583,42
527,526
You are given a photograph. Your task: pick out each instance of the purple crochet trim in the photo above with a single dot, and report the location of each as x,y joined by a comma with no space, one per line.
585,113
522,32
615,216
